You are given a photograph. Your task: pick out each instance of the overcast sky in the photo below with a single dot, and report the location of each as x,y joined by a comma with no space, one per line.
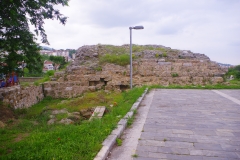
211,27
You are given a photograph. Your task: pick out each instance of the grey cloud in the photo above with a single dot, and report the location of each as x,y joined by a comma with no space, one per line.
210,27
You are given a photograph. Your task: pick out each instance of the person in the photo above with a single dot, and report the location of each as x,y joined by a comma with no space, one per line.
9,81
15,78
2,84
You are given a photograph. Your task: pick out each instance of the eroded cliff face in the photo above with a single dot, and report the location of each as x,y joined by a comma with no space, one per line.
152,65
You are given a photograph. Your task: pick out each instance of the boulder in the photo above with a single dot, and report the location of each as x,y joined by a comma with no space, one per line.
66,121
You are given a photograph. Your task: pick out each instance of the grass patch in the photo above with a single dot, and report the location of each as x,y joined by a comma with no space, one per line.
61,116
139,48
231,85
25,84
130,121
46,77
122,59
76,141
135,155
119,141
115,49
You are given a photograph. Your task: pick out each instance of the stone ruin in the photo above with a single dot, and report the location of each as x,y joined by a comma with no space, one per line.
152,65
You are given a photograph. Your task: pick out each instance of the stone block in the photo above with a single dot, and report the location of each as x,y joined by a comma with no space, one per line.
164,63
187,64
217,80
92,88
68,88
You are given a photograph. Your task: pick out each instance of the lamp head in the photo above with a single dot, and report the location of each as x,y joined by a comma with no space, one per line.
137,27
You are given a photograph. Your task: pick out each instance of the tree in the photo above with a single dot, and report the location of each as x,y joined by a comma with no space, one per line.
58,60
71,52
17,42
235,71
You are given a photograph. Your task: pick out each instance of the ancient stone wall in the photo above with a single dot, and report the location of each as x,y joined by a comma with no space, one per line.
21,97
179,67
156,65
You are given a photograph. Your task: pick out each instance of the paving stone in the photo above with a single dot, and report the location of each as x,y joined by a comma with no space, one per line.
208,146
181,151
224,134
152,143
205,132
166,150
230,148
221,154
145,158
147,148
142,153
180,139
178,131
157,155
147,135
184,157
178,144
192,124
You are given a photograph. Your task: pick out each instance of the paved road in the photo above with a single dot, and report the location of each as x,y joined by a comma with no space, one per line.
190,124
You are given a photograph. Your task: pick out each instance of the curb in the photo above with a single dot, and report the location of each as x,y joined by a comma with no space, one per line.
109,142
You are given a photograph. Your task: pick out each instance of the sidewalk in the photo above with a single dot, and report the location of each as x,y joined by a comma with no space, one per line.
184,124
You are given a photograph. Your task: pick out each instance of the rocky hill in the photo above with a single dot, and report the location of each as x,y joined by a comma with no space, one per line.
107,67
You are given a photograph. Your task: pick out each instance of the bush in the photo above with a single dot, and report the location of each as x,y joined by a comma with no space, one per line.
234,71
50,73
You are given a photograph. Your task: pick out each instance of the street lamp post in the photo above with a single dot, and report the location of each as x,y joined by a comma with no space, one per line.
130,28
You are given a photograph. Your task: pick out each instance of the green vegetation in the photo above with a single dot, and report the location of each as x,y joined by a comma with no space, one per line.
115,49
71,52
234,71
119,141
16,38
122,59
63,67
130,120
45,78
174,74
164,54
98,68
135,155
233,85
33,74
30,137
138,48
58,60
